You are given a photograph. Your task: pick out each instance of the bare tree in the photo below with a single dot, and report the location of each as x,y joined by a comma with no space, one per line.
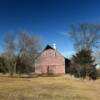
86,38
9,54
28,50
85,35
19,54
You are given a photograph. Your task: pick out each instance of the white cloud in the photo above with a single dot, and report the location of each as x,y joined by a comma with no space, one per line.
63,33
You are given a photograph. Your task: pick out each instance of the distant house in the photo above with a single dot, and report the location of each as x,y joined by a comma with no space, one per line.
50,61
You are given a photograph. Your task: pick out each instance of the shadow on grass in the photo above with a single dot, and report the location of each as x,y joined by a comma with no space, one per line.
30,75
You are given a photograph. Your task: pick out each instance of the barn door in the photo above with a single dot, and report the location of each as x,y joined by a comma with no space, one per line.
51,69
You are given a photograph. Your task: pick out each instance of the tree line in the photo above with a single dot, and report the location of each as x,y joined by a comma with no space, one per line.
19,53
86,39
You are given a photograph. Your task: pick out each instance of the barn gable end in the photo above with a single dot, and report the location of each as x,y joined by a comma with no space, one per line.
50,61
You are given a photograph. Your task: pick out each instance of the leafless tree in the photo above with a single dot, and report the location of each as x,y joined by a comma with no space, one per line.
85,35
9,53
20,53
28,49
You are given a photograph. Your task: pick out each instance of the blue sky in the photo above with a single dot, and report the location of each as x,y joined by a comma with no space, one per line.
48,19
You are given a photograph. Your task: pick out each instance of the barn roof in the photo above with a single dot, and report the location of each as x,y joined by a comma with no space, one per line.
48,47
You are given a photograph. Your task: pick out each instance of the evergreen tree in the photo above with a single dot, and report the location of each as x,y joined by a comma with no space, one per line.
84,64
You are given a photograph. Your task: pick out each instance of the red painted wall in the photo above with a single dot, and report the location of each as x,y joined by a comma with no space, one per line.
50,61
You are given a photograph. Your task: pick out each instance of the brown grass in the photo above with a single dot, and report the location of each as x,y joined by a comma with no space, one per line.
48,88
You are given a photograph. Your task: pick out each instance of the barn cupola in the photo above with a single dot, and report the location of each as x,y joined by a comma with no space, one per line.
54,46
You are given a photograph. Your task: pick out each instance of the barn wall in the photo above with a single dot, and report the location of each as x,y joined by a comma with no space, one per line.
50,59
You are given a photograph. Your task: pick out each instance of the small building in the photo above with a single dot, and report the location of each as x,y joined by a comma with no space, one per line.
50,61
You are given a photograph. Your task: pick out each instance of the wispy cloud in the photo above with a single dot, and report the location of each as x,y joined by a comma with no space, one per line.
63,34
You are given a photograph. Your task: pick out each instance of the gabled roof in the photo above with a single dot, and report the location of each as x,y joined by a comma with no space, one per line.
48,47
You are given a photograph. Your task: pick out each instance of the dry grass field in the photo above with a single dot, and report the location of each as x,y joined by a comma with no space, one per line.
49,88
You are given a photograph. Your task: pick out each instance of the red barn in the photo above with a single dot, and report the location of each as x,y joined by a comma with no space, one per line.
50,61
